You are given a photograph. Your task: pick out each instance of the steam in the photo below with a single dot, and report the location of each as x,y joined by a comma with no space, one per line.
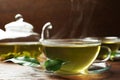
81,12
90,6
75,20
85,10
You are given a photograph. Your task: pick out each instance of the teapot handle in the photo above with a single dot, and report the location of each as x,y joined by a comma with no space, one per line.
46,27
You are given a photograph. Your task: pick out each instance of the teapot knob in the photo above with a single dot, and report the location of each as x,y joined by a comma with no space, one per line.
19,16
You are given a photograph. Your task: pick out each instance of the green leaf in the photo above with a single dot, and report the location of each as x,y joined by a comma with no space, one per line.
53,65
25,60
115,56
112,56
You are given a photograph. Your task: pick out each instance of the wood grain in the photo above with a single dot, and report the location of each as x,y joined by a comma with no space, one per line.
10,71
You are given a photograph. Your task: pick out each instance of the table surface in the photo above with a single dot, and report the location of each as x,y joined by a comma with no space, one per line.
11,71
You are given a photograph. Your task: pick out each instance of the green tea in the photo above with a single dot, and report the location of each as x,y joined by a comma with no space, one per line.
78,56
15,49
113,45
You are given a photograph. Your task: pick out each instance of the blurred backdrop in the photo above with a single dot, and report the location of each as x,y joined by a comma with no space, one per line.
70,18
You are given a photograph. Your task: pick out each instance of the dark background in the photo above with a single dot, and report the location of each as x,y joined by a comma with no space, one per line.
70,18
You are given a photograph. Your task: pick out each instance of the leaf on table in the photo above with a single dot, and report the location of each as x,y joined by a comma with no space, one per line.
25,60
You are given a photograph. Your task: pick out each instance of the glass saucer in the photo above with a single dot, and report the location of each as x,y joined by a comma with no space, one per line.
99,67
97,71
96,68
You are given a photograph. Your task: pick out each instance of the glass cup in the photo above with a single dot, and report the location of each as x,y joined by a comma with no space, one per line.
113,44
77,54
70,56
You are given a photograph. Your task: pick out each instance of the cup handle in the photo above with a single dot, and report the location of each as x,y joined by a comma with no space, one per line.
108,53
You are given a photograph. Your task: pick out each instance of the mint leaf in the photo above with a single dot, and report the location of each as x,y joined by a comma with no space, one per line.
7,56
25,60
53,65
115,56
112,56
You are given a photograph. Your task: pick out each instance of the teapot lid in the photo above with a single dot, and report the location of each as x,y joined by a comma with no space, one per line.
18,30
19,25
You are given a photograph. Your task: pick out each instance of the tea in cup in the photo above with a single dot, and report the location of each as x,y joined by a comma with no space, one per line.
77,54
112,43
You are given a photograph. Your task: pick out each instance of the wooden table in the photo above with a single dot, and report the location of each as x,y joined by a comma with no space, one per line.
10,71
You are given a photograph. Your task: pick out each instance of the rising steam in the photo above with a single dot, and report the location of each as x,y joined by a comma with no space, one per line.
81,12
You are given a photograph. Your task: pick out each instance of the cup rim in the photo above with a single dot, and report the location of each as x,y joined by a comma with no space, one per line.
106,39
70,42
